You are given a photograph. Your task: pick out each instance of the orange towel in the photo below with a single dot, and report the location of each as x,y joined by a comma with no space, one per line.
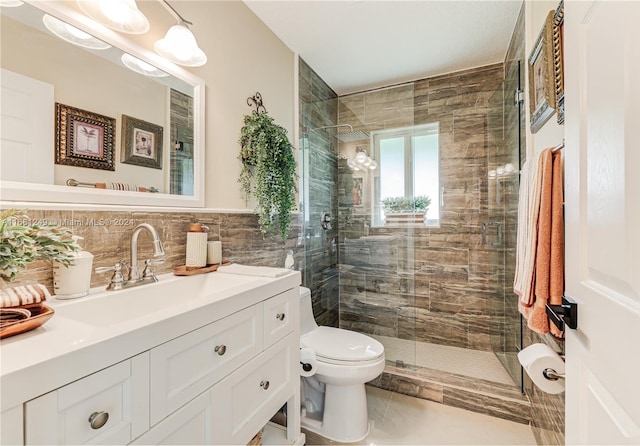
545,250
538,320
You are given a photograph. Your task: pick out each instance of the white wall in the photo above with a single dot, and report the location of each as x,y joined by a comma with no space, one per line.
244,57
551,134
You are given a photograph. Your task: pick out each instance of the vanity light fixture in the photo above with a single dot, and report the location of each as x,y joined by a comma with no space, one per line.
11,3
120,15
72,34
141,67
362,161
179,44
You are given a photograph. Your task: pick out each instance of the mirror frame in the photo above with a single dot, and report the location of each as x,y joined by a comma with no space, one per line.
34,192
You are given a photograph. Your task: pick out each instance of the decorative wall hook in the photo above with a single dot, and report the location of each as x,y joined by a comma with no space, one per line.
256,101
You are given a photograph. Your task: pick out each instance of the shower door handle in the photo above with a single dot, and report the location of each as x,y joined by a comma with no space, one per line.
492,224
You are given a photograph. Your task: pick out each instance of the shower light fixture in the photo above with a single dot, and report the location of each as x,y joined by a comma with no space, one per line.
120,15
179,44
72,34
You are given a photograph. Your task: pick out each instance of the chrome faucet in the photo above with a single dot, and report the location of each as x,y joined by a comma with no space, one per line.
158,251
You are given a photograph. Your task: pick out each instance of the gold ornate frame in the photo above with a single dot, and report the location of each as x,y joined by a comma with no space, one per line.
558,59
542,93
84,138
141,143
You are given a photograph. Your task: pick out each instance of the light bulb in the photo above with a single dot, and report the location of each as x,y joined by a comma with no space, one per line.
77,33
373,165
492,174
121,15
72,34
11,3
500,170
508,168
140,66
361,157
116,11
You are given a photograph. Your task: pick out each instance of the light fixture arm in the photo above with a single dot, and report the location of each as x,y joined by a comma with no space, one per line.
174,13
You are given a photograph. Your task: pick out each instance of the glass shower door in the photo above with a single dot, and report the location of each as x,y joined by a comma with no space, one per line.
499,232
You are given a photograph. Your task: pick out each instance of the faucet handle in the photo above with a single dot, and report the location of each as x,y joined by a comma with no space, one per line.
148,268
117,280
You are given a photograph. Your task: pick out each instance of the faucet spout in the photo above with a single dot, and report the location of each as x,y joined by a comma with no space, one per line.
158,249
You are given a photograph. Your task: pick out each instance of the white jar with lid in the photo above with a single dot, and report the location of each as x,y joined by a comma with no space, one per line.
72,281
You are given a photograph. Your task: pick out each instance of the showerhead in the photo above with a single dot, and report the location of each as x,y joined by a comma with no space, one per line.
352,136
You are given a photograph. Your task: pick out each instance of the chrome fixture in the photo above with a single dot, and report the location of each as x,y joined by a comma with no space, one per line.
158,251
134,278
552,375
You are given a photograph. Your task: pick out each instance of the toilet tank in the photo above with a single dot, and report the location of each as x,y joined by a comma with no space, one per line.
307,321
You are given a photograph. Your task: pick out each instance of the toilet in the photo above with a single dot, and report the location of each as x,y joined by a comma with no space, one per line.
333,400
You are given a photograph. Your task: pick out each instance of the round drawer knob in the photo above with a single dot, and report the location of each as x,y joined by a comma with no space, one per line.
98,419
221,349
280,316
264,384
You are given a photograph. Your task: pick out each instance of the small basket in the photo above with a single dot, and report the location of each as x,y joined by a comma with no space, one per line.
256,440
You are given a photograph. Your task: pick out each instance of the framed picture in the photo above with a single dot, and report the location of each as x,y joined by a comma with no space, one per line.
558,59
141,143
542,95
84,138
356,192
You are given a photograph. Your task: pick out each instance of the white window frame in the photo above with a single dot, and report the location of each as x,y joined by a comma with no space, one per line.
408,133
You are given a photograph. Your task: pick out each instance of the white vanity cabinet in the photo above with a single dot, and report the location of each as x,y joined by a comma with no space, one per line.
217,383
108,407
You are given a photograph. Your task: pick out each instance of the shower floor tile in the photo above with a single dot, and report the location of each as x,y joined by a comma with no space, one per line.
461,361
397,419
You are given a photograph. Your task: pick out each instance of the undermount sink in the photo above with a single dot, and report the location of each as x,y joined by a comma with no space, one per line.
170,292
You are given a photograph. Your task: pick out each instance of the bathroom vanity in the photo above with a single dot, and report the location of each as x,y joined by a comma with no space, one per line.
205,359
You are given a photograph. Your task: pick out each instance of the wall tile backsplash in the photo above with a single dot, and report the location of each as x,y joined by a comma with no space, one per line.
107,236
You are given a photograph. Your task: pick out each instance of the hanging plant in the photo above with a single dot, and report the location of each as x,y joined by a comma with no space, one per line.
268,171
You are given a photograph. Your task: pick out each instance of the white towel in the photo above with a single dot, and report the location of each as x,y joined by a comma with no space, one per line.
528,210
23,295
260,271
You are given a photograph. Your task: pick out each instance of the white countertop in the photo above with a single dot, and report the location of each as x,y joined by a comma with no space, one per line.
69,346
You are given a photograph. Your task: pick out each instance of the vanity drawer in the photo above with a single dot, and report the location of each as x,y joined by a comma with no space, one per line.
254,393
184,367
75,413
278,316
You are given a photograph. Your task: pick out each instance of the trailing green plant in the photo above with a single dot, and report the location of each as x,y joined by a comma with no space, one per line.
396,205
22,241
268,171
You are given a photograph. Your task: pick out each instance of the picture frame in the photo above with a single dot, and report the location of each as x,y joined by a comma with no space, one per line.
141,143
542,94
558,59
84,138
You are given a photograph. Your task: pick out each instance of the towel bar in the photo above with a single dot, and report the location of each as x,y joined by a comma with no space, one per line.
73,182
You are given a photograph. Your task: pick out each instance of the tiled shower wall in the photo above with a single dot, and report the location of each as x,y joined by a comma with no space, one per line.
318,152
107,235
427,284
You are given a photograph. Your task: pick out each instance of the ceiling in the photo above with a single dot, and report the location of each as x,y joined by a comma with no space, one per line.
356,45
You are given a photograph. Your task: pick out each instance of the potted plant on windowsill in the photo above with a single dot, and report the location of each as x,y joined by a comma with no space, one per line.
406,210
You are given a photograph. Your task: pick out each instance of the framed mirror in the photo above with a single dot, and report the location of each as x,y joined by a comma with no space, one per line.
111,124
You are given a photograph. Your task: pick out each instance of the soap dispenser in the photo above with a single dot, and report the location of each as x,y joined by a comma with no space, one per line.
73,280
289,262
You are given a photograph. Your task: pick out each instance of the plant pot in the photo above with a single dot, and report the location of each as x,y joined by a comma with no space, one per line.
405,218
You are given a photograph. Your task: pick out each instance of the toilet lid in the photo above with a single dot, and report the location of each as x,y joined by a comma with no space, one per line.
342,345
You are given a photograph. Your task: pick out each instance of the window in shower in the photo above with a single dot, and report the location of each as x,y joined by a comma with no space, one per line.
408,167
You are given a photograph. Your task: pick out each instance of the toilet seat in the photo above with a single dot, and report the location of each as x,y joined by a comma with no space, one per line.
342,347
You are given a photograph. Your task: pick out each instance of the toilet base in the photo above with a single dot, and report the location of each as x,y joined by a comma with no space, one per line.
345,416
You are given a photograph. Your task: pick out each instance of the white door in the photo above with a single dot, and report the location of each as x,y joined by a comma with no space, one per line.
27,129
602,208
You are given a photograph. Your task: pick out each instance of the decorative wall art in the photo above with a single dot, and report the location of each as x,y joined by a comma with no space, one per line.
542,93
141,143
84,138
558,59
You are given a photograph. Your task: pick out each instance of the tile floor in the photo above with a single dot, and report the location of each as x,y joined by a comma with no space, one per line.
398,419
